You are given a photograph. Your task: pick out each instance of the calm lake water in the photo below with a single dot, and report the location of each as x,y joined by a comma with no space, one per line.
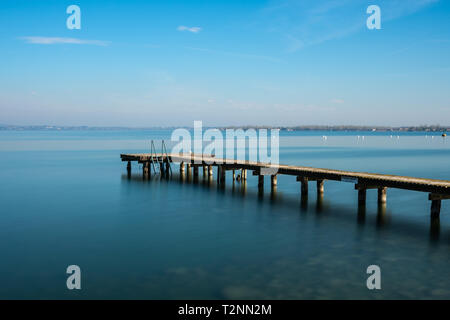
66,199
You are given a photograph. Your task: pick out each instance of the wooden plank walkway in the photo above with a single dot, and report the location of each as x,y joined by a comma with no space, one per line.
438,189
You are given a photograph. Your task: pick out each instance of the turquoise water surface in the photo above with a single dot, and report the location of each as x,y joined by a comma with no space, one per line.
66,199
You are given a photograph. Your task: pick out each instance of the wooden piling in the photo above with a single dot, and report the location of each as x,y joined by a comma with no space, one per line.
362,196
436,203
303,185
273,181
195,171
145,170
221,174
260,182
188,168
210,171
320,187
167,168
181,168
129,168
244,174
382,195
435,208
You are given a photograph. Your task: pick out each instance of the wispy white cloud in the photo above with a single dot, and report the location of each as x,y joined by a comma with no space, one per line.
60,40
306,23
190,29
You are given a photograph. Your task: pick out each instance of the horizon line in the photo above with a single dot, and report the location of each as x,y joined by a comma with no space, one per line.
342,127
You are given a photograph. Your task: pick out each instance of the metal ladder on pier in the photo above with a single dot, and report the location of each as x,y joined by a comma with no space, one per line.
164,153
161,161
153,158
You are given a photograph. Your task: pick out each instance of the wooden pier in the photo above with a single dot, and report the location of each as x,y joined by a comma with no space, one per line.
438,189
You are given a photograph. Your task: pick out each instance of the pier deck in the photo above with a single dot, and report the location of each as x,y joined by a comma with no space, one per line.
438,189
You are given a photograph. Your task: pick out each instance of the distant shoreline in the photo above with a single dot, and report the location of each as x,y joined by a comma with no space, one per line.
434,128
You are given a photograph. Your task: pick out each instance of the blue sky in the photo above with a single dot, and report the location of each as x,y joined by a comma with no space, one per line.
168,63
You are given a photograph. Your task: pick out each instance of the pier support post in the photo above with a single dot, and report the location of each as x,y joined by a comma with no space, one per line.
167,168
260,182
210,171
244,174
382,195
362,197
146,170
181,168
188,169
221,174
436,203
304,185
205,171
195,171
435,208
320,187
273,181
234,174
129,168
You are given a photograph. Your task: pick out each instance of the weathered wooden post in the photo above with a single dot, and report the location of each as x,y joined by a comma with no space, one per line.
161,169
210,171
435,228
167,168
205,171
382,195
234,174
181,168
320,187
435,208
362,196
195,171
221,174
260,182
436,204
273,182
145,170
129,167
244,174
188,169
304,185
